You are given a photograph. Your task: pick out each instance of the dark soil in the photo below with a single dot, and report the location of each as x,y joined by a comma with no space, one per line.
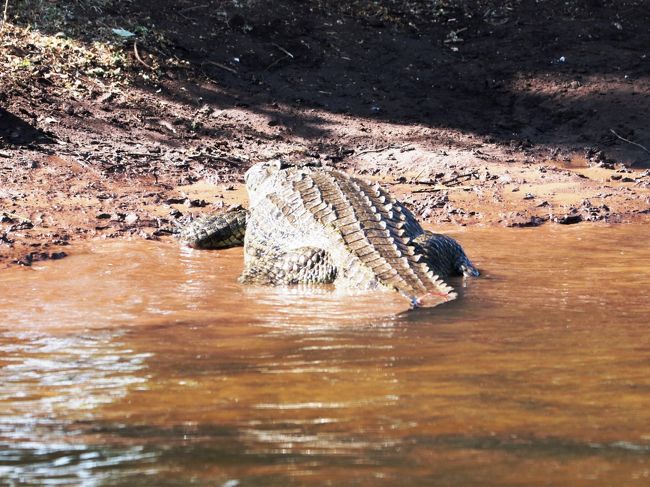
515,113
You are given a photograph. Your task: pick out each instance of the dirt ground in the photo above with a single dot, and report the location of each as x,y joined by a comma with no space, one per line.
121,119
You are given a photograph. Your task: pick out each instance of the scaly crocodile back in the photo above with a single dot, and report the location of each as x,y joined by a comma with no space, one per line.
216,231
444,255
365,230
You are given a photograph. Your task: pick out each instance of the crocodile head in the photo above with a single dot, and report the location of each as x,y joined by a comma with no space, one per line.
258,173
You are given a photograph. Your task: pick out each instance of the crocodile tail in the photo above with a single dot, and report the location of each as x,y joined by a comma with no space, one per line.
423,285
371,226
218,231
431,299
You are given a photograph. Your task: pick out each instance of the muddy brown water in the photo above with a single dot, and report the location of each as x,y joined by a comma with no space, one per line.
139,363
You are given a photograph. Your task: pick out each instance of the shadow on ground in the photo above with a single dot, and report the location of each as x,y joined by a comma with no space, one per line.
15,131
557,74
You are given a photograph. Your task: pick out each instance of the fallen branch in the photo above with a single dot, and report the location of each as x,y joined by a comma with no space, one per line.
277,61
219,65
442,188
444,184
381,149
182,11
456,178
287,55
284,50
137,56
4,16
16,215
629,141
195,7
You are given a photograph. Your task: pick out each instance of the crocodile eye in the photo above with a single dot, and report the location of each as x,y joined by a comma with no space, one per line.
258,173
275,165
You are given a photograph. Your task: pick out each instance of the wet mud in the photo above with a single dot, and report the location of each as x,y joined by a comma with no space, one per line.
474,113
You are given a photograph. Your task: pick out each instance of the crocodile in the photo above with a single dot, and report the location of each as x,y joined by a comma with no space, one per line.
316,225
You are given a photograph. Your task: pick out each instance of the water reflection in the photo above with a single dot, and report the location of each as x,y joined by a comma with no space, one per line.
51,387
165,371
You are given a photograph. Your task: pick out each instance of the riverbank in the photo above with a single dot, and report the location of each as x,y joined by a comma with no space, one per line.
123,122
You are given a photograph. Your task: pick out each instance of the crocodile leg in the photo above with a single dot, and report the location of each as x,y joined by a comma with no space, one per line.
216,231
304,265
444,255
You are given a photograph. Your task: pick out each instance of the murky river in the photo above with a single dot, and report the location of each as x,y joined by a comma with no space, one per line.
144,364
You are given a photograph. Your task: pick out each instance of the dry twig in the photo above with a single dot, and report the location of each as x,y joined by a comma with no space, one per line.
381,149
276,62
219,65
435,189
182,11
137,56
195,7
454,179
287,55
283,50
4,15
629,141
